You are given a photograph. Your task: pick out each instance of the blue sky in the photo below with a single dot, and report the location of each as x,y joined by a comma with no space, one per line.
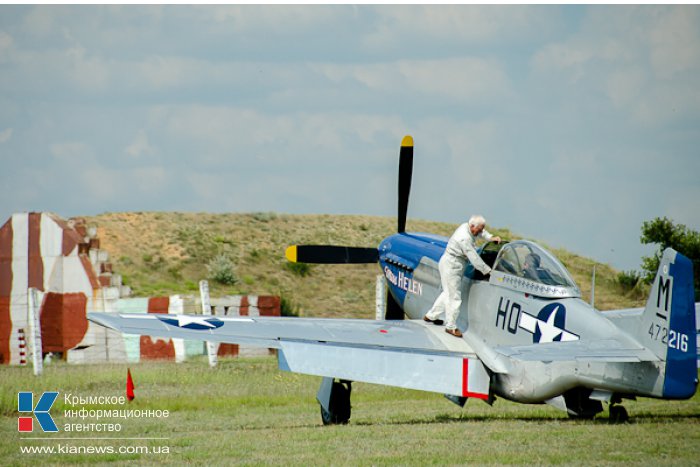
571,125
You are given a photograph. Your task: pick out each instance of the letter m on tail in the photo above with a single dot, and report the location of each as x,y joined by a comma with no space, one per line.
669,320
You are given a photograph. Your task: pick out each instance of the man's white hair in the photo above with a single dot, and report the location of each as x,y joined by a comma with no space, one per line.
477,220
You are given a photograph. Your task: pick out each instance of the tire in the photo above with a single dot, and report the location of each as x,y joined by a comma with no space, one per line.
339,406
618,414
580,406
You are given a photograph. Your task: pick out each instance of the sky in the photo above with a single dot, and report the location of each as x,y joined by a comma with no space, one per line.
571,125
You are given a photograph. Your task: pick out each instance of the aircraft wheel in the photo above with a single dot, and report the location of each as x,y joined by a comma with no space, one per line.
580,406
618,414
339,406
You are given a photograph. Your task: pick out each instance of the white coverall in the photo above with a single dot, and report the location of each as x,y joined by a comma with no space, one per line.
460,248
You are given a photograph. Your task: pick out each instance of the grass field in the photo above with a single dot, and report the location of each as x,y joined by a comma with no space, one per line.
245,411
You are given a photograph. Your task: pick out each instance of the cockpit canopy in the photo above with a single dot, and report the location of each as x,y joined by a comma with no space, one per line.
527,267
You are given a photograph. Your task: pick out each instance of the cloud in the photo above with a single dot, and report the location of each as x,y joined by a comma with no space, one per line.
85,71
5,135
87,56
456,24
125,186
645,60
230,135
539,117
6,46
72,70
40,21
77,71
72,153
283,19
625,85
467,150
674,41
140,146
455,78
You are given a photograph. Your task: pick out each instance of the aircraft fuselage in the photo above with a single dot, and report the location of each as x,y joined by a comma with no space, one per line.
499,311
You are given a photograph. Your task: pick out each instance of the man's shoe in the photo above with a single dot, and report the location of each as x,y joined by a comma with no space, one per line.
454,332
436,322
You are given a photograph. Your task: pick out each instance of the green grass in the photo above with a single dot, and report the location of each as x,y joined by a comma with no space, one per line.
245,411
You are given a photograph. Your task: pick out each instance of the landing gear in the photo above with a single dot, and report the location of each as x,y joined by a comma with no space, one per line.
334,399
618,414
580,406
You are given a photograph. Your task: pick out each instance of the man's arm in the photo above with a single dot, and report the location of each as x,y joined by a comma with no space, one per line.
486,235
476,260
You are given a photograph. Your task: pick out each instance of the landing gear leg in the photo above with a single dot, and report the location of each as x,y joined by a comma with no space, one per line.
618,414
580,406
334,399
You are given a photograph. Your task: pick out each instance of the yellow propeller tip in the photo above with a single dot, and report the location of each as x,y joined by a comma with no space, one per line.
291,253
407,141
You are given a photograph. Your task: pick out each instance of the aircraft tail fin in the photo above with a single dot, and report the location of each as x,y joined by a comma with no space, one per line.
668,325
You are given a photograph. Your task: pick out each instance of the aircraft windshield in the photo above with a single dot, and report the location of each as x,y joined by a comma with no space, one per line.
529,261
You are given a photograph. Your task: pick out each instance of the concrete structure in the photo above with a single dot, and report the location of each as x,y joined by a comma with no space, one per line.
63,262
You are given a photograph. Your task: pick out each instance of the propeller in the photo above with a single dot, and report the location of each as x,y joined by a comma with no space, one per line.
329,254
405,174
332,254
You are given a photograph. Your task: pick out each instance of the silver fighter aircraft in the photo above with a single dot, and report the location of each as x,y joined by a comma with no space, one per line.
528,335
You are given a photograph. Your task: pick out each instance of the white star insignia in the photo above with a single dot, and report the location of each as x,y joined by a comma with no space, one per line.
184,320
548,330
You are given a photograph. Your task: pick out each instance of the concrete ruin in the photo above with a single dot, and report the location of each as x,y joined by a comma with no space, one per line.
63,261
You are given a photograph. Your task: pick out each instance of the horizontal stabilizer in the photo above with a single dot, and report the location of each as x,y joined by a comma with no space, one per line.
597,350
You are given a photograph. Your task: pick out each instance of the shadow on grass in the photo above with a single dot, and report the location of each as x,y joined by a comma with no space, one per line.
444,419
665,417
539,419
447,419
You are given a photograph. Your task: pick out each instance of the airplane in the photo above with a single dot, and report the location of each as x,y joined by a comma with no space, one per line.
527,335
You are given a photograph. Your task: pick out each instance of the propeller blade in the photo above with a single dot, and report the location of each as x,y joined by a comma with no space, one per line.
327,254
405,174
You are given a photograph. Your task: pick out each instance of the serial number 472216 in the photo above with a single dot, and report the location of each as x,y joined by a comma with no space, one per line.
674,339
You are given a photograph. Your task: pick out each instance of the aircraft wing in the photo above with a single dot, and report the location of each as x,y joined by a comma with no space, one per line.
593,350
409,354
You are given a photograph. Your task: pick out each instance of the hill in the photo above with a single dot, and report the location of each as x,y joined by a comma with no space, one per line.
163,253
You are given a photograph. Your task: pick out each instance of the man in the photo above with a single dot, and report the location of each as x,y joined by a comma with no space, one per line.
530,267
460,248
